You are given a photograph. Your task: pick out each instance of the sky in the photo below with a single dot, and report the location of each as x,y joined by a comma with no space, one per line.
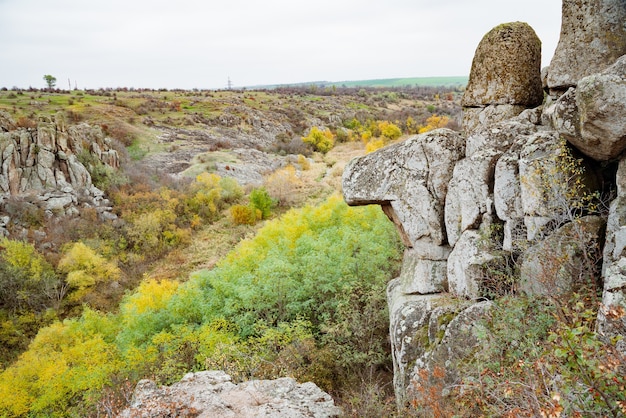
187,44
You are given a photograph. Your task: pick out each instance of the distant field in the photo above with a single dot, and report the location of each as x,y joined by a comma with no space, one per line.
400,82
383,82
386,82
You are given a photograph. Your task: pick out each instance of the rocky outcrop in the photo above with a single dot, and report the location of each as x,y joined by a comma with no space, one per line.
601,103
506,68
590,116
510,213
411,179
42,164
611,318
505,77
593,36
212,394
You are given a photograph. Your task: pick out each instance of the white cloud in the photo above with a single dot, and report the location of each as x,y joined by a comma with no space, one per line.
195,43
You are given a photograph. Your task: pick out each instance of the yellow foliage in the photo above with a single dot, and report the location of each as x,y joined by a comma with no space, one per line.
434,122
389,130
411,126
244,215
366,136
374,144
208,180
303,162
64,360
150,295
24,257
85,268
322,141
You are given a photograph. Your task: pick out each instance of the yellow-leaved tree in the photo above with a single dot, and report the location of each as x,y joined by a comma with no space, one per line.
322,141
434,122
85,269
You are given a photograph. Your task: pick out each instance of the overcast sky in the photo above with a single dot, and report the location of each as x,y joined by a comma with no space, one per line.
202,43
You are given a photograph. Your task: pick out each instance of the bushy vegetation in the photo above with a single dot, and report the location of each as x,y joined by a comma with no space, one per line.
304,297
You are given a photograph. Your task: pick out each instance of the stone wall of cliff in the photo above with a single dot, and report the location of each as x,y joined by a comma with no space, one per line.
517,185
41,166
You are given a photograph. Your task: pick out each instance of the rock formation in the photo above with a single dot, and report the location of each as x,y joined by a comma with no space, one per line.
212,394
593,36
509,188
505,77
42,166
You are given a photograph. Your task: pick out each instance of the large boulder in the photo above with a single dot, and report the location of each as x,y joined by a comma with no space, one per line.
213,394
506,68
505,77
601,102
565,261
411,180
593,36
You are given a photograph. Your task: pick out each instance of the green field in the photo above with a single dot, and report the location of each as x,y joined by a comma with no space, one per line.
385,82
401,82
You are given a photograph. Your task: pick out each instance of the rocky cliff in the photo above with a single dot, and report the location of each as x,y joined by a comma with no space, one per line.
40,167
510,204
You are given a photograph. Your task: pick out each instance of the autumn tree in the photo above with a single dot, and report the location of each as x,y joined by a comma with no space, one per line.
85,269
27,280
434,122
322,141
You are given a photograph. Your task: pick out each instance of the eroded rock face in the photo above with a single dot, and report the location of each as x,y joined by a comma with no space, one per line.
44,163
593,36
412,179
470,193
212,394
510,203
456,337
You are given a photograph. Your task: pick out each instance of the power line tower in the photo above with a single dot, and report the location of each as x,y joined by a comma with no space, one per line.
230,84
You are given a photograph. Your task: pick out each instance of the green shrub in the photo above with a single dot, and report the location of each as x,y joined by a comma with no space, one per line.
261,200
306,274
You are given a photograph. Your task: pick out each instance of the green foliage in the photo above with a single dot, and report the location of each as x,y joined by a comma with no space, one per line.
297,265
50,81
261,200
540,358
289,294
102,175
593,372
